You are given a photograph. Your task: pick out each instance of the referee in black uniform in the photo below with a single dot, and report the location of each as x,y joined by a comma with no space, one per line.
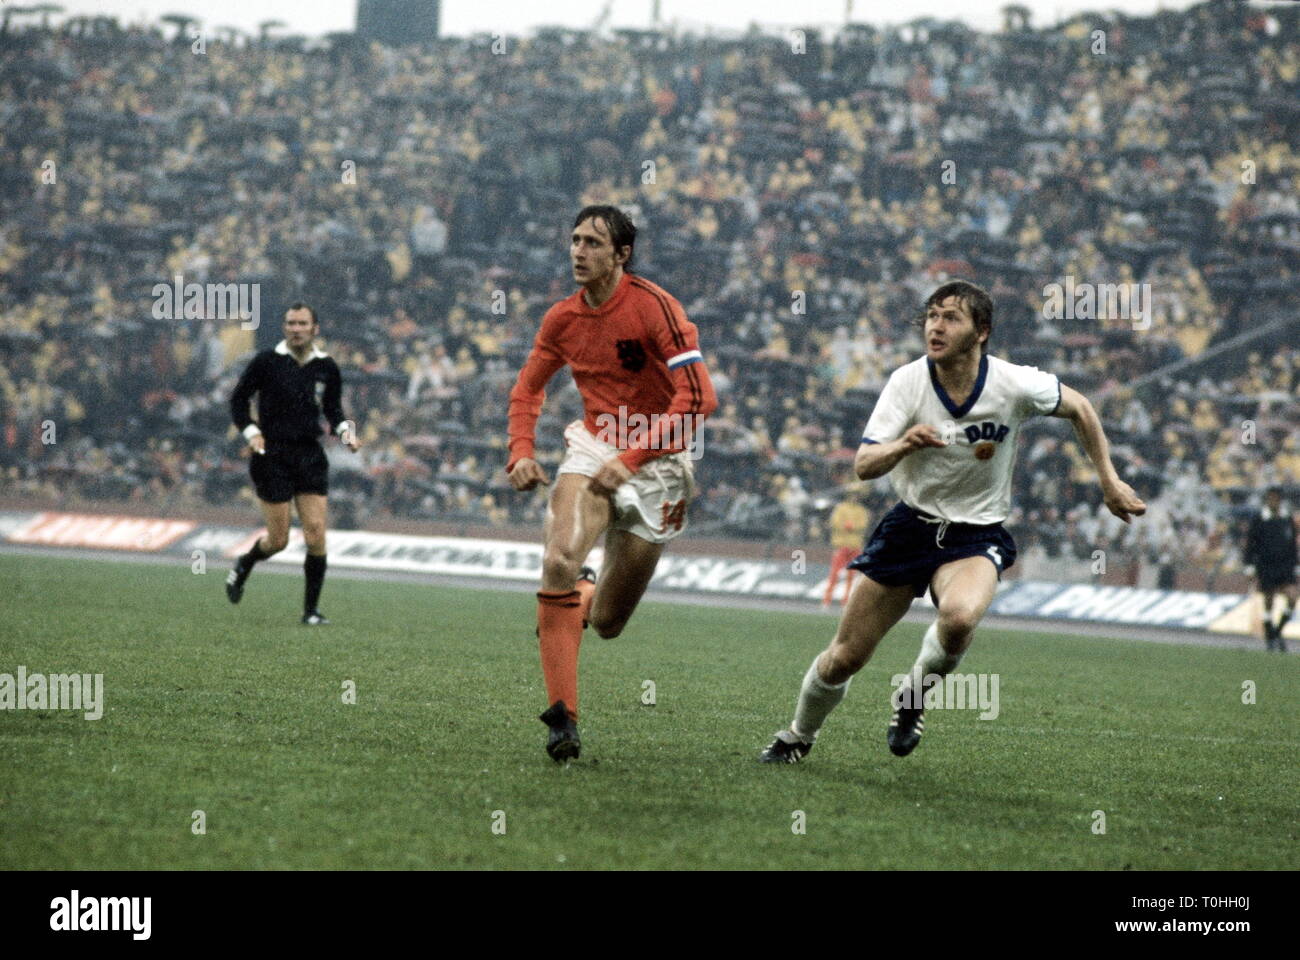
295,383
1271,552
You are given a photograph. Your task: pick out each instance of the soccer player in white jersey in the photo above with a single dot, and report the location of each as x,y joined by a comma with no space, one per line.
945,429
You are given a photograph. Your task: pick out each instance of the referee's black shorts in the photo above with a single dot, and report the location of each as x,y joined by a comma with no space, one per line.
287,469
1271,577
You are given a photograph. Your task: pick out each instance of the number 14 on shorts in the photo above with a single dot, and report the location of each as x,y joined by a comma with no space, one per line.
674,514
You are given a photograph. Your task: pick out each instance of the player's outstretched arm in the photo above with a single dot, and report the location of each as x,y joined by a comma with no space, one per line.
679,427
332,403
1119,496
526,399
877,459
676,429
526,473
249,383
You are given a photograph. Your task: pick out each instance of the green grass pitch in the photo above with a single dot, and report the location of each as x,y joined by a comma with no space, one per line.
239,713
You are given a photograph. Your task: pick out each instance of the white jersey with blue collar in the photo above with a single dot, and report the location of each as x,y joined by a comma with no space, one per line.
969,480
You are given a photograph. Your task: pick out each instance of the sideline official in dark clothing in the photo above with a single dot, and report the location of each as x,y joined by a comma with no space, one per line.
1270,555
294,384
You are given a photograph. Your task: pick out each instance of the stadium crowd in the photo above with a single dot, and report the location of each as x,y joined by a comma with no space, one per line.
799,193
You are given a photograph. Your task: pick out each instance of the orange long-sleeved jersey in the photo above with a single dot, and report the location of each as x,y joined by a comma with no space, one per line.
637,351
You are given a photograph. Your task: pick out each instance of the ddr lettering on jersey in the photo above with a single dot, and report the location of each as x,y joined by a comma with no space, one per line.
969,480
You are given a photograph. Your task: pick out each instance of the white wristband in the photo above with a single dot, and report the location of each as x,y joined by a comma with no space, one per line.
346,429
251,431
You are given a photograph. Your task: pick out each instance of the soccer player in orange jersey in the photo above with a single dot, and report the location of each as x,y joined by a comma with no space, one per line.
627,467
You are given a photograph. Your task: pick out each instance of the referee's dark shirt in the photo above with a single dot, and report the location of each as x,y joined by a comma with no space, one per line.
1271,541
290,397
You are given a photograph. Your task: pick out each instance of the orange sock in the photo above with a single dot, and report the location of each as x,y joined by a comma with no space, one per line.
586,590
559,632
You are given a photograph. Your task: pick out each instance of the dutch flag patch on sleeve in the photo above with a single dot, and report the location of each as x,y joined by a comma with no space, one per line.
682,359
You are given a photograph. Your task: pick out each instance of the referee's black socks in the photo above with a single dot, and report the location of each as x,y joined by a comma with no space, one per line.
254,555
314,568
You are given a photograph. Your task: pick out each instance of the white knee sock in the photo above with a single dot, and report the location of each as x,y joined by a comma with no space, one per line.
932,659
817,698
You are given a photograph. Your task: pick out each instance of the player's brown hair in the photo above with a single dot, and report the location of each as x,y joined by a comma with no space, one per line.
622,231
974,298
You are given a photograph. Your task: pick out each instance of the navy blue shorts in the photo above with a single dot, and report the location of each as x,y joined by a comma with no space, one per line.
905,550
286,470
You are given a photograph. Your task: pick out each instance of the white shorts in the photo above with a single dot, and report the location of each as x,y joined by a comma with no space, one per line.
652,505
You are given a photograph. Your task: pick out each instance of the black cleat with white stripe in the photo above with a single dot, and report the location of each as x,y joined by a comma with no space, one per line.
785,748
905,729
235,580
563,743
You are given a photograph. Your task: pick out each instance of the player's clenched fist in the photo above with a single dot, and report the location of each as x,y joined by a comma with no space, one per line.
922,435
1122,501
527,474
258,443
